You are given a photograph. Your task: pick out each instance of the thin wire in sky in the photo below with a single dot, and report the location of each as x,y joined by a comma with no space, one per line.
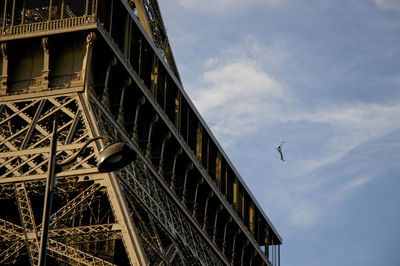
336,150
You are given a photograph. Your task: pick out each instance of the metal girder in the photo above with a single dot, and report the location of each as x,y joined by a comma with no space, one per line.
140,185
82,200
72,255
12,234
12,251
24,156
87,234
9,231
26,236
149,16
32,125
23,149
28,222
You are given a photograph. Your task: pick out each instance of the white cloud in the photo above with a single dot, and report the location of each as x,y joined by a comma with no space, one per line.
354,123
234,83
223,6
237,87
238,95
269,57
354,184
388,4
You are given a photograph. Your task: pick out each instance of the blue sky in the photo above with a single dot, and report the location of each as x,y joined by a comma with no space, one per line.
324,76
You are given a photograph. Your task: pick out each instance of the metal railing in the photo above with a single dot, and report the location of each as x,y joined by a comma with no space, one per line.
30,16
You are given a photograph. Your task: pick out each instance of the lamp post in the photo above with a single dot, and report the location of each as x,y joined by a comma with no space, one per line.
112,158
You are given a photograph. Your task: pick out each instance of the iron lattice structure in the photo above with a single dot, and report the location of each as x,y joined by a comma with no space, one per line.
106,68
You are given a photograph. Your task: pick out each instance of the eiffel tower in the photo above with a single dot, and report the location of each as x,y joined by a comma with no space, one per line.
105,67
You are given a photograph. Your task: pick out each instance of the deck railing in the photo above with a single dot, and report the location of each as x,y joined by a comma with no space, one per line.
48,25
31,16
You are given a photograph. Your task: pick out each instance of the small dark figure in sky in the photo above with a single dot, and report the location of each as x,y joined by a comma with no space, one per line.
279,149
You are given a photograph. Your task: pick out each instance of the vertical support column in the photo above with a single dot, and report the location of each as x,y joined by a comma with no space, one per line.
235,198
199,140
177,121
219,209
253,255
4,17
140,58
209,196
86,64
225,185
178,152
154,77
208,155
251,218
50,9
111,17
246,243
225,243
148,147
46,63
237,233
184,193
200,181
87,8
165,88
167,136
23,13
266,242
218,170
4,72
135,135
127,37
13,13
121,119
106,97
62,9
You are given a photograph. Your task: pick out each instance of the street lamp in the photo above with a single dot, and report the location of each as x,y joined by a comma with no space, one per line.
112,157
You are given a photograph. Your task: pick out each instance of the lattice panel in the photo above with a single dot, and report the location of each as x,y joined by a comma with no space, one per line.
82,227
25,129
166,233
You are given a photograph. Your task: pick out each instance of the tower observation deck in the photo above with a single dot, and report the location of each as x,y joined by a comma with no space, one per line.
105,67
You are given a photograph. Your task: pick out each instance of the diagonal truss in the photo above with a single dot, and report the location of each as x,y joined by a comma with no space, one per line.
171,234
57,249
28,222
62,241
25,131
83,229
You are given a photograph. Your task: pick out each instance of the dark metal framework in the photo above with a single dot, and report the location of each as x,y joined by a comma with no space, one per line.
106,67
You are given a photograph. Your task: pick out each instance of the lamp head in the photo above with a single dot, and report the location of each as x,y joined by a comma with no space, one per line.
115,156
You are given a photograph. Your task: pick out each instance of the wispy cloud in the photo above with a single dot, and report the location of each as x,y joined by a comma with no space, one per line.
236,86
240,92
388,4
354,123
238,96
224,6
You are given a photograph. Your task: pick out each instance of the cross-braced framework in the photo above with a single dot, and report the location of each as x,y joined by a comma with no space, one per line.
167,235
25,128
82,223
